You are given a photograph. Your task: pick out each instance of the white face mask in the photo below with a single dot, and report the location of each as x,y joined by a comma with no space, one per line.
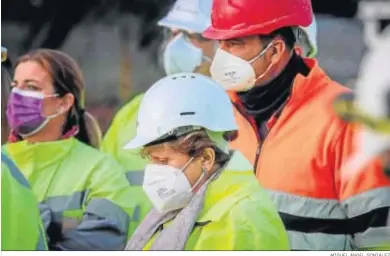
234,73
167,187
181,56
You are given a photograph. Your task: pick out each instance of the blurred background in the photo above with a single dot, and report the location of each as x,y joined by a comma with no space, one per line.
116,42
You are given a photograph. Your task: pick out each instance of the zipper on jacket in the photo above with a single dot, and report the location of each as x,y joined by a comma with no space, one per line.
261,134
262,131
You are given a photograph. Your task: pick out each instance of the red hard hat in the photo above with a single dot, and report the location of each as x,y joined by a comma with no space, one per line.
239,18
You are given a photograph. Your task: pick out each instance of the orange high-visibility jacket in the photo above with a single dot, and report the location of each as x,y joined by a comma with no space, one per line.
298,162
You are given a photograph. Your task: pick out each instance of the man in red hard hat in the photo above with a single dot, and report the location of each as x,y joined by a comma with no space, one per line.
288,130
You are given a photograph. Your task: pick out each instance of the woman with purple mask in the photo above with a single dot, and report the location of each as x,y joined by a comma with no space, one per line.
84,195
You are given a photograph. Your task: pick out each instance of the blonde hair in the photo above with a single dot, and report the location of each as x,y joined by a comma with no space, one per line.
93,129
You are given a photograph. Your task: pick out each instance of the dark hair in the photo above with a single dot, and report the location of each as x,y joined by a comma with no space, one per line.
5,85
286,33
67,78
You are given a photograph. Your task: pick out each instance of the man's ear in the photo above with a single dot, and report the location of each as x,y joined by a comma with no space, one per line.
278,47
208,159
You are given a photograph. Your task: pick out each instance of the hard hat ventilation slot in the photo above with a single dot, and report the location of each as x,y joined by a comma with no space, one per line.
183,76
187,113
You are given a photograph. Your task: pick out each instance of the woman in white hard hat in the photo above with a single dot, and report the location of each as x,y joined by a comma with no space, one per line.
184,50
205,196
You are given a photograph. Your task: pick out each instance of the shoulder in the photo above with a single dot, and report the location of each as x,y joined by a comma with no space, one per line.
317,83
255,217
248,205
315,96
129,109
9,171
323,87
256,208
83,154
5,173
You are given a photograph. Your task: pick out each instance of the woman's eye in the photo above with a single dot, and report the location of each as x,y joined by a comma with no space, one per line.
32,87
162,161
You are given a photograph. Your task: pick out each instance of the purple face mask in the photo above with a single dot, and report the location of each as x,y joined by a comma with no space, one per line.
24,112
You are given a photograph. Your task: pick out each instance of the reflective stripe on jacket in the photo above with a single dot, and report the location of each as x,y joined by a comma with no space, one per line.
21,225
121,131
82,190
237,214
298,163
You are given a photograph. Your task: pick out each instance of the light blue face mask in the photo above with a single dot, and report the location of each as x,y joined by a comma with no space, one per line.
181,56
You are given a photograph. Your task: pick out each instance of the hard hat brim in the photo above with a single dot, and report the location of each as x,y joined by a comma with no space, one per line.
216,34
137,142
223,34
259,29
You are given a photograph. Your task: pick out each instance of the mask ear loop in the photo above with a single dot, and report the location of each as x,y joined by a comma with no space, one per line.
257,57
200,179
188,163
216,174
47,118
209,60
201,176
59,112
24,135
261,53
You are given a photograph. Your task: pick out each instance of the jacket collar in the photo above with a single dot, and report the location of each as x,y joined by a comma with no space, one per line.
39,154
302,85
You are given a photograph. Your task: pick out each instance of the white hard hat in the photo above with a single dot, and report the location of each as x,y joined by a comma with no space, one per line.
191,15
310,34
180,101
